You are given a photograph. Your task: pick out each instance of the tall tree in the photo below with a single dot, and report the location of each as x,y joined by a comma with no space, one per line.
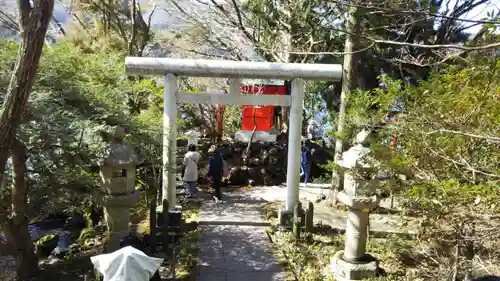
119,24
33,22
265,28
348,84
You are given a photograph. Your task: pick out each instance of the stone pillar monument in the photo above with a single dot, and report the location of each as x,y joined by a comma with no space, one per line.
118,194
360,184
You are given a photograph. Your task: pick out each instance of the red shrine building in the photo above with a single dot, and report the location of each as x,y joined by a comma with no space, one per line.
265,115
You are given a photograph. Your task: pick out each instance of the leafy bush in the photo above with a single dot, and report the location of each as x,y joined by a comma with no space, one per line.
450,150
77,101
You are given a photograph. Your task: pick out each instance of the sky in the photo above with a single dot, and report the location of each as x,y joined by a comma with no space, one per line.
480,13
160,15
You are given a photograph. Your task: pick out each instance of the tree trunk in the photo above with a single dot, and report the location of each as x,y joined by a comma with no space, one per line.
348,84
33,24
133,36
287,57
27,261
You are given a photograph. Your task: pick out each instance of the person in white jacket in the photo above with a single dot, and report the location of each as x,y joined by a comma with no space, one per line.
190,178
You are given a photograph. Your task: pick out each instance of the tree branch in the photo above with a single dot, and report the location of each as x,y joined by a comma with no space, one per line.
438,46
323,53
131,43
388,11
490,138
82,25
423,46
150,17
240,22
9,21
420,64
463,164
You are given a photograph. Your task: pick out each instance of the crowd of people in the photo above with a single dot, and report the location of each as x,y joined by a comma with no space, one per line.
217,169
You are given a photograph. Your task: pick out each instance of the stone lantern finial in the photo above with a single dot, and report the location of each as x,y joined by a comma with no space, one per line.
120,131
119,153
363,138
358,156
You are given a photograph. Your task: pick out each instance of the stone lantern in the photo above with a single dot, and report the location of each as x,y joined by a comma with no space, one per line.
360,184
118,194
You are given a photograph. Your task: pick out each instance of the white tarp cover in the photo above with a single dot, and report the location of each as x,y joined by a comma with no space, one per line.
126,264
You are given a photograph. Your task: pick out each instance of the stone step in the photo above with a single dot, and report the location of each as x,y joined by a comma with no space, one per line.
172,229
172,232
317,185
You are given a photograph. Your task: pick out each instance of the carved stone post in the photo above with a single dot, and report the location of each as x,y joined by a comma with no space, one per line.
118,194
359,195
309,223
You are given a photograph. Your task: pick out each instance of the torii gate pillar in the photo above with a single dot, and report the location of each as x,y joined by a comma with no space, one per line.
172,68
169,171
294,144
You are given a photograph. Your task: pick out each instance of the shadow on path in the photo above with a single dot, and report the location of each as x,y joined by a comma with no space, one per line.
233,241
246,223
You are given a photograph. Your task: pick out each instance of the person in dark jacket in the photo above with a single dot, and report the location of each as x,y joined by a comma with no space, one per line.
277,118
305,162
215,171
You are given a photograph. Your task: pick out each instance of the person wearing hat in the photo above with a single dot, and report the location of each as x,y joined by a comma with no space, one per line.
190,176
215,171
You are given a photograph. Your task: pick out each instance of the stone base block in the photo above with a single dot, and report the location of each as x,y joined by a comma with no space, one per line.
245,136
159,208
113,243
285,218
174,216
348,271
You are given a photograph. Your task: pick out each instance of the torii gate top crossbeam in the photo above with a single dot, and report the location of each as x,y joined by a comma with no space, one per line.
232,69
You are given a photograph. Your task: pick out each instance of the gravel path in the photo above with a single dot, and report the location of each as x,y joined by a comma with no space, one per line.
233,242
7,268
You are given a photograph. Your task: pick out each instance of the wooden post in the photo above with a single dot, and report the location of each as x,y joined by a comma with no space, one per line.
309,217
297,220
152,226
165,223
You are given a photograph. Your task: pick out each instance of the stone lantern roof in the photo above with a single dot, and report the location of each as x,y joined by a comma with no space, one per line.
119,153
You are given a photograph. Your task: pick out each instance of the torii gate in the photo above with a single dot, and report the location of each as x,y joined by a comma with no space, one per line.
236,70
